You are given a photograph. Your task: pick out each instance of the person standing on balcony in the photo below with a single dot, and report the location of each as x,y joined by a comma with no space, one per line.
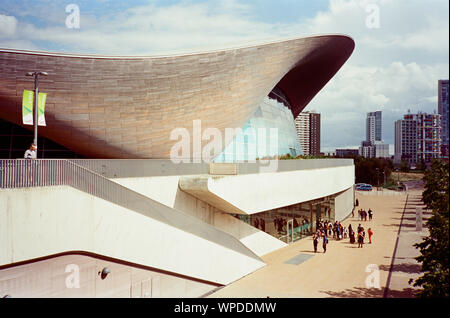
31,153
29,171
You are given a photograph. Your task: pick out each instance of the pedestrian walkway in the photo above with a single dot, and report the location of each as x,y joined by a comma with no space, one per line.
404,266
341,271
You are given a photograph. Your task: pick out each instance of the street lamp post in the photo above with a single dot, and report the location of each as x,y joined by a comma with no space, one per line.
378,176
35,108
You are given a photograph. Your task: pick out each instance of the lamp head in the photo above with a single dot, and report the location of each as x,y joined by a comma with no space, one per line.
105,271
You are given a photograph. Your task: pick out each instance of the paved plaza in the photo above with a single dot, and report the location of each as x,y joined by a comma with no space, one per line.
296,271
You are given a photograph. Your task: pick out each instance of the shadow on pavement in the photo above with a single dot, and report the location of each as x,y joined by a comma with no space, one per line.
403,267
359,292
408,219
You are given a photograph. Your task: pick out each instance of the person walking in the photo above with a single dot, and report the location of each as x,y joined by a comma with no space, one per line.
351,234
360,239
324,243
256,223
370,214
359,228
338,232
345,232
370,232
315,241
263,224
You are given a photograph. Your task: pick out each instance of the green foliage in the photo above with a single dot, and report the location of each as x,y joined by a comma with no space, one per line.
434,249
367,170
372,170
421,165
404,166
289,157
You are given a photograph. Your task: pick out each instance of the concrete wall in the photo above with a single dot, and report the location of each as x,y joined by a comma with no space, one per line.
343,204
37,222
77,276
166,191
253,193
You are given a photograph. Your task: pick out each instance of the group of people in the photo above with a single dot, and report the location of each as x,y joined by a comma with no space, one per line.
280,224
325,229
362,214
260,223
361,234
336,229
316,237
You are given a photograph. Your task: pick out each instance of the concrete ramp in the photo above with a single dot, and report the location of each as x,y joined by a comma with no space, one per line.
41,221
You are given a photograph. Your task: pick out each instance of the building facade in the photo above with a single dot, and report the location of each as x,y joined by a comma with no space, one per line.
308,129
373,126
163,221
342,153
418,137
269,132
373,146
443,90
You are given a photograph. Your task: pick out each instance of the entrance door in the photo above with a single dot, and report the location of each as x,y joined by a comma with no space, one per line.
290,231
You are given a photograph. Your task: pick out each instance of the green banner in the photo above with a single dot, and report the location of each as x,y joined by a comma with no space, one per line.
41,110
27,107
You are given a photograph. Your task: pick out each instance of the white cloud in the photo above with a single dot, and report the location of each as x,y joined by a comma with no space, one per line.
393,68
8,25
356,90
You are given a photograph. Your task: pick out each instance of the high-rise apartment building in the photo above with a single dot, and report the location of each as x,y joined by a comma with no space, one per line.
417,137
373,146
443,88
308,130
373,126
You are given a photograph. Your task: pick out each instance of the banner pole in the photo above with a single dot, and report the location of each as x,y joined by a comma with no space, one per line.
35,122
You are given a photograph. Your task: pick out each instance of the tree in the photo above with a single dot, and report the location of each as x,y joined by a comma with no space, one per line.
434,249
404,166
372,170
421,165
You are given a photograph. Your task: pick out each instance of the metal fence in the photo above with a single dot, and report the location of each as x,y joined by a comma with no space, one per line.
132,168
25,173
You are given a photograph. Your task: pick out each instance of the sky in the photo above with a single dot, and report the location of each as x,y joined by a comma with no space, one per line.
402,46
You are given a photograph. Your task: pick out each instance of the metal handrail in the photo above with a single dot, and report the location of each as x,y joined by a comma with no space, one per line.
131,168
28,173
